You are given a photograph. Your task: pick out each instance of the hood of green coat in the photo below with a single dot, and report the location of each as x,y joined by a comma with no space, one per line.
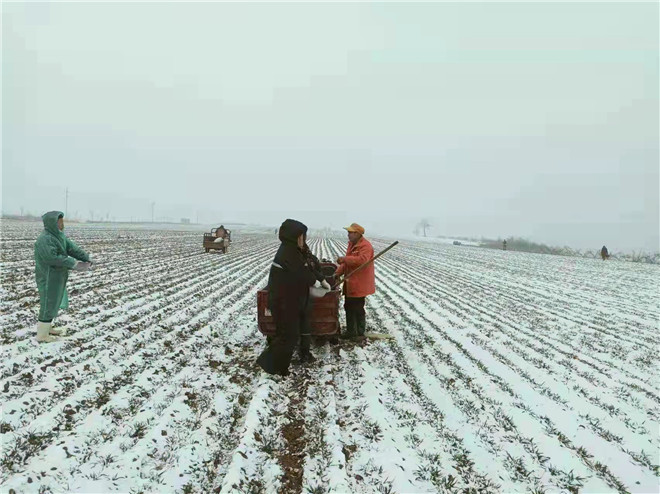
50,222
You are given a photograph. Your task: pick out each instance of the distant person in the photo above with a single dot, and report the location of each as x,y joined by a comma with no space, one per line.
288,293
604,253
359,285
504,245
54,256
223,238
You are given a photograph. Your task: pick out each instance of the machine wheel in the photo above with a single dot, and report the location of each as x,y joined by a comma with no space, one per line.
333,340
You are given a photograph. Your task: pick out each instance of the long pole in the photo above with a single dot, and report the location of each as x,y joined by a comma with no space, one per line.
366,263
66,203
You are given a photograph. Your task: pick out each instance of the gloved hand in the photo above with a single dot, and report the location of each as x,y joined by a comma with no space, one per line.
82,266
326,285
317,284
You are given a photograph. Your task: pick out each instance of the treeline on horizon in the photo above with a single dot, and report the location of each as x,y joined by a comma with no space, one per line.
517,244
525,245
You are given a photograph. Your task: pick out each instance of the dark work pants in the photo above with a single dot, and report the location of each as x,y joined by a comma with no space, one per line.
306,329
275,359
355,315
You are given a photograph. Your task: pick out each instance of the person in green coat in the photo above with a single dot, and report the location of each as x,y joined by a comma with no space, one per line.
54,256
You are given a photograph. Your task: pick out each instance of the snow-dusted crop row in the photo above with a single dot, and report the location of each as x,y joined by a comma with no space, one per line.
506,372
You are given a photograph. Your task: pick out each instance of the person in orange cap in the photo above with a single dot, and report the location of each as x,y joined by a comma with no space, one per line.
359,285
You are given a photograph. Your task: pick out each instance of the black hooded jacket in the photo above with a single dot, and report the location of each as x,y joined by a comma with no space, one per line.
289,279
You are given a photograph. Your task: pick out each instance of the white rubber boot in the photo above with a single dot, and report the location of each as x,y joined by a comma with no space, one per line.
43,328
59,331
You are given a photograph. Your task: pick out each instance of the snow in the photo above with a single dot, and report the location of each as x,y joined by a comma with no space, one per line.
506,372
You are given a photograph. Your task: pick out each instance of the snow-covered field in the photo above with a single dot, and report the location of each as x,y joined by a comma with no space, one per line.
507,372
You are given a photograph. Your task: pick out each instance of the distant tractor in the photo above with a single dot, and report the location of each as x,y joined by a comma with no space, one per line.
218,239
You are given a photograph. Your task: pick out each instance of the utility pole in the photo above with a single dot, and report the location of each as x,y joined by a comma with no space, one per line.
153,204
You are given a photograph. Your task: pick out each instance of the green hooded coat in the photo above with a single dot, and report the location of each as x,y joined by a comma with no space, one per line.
54,256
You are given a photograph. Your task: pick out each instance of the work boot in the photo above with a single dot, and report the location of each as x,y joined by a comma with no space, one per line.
61,331
43,328
265,361
304,351
351,327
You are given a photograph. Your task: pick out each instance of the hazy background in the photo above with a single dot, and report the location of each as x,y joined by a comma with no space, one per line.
488,119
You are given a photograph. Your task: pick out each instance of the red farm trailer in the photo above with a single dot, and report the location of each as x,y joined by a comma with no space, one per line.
324,318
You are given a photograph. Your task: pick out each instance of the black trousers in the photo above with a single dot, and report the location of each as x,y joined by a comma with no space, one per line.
306,329
275,359
355,315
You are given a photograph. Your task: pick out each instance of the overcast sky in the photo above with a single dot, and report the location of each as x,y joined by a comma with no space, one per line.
536,120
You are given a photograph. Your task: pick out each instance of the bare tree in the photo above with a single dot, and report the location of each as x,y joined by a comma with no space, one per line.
424,224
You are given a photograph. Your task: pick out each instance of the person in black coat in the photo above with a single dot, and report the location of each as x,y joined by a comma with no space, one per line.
288,294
